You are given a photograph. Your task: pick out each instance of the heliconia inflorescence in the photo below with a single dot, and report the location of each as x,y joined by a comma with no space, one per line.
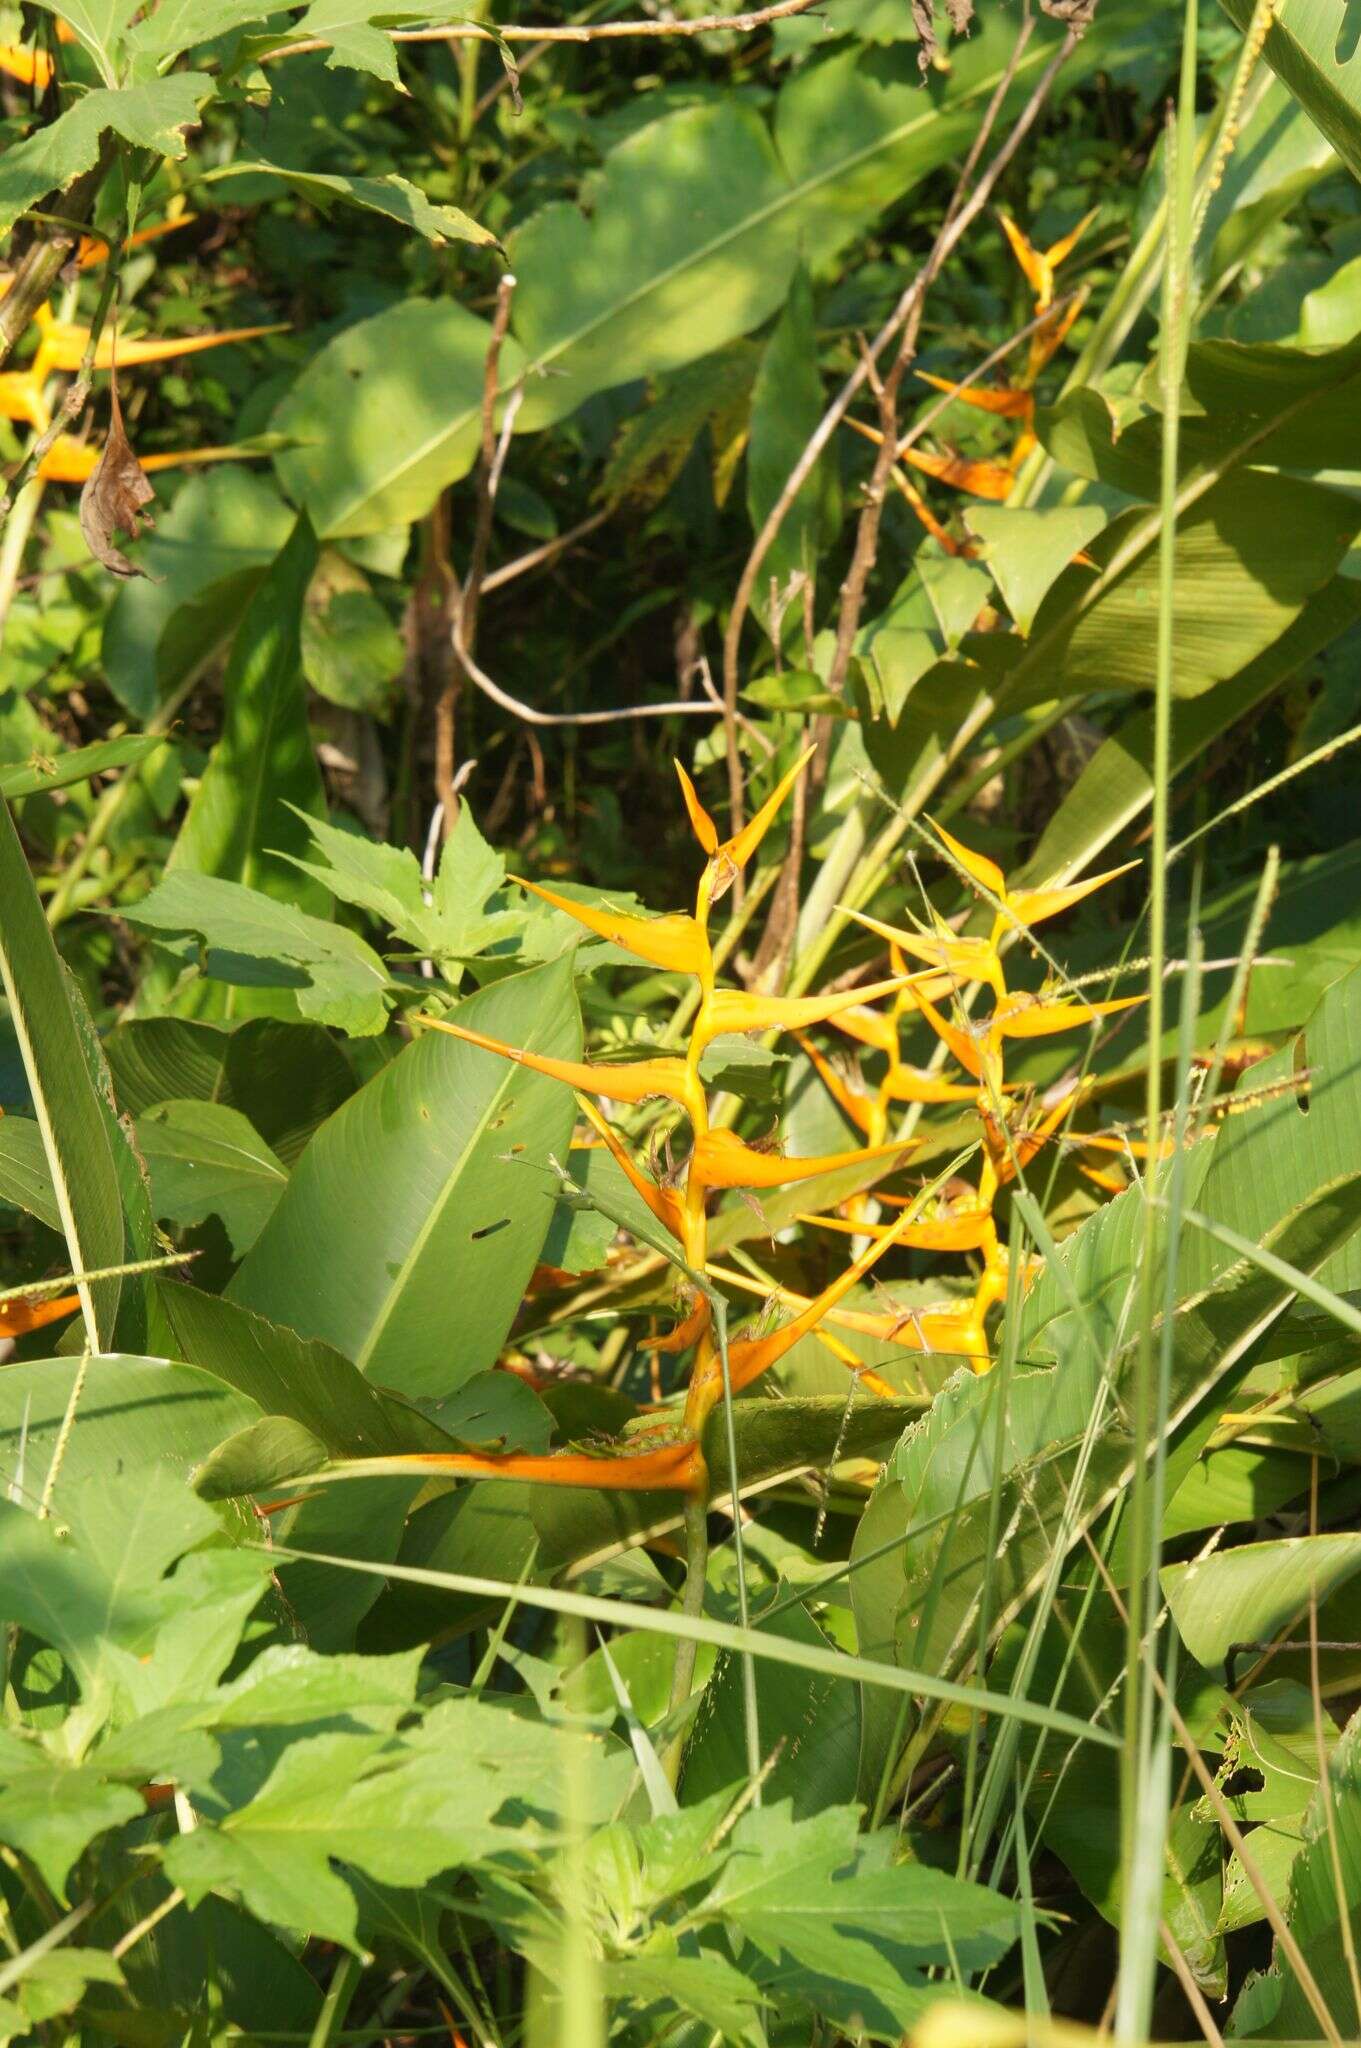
873,1015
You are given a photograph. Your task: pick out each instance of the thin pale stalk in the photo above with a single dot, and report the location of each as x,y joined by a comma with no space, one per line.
1138,1957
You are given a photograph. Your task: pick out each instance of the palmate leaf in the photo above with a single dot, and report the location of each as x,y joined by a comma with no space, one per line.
832,1900
152,116
400,1812
250,939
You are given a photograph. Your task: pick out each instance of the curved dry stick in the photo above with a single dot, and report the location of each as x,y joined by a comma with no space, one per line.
531,716
606,31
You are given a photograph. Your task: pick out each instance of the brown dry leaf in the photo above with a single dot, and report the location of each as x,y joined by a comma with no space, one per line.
114,497
960,16
924,21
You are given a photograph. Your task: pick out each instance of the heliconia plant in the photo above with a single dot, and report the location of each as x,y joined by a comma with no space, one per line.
664,1457
719,1160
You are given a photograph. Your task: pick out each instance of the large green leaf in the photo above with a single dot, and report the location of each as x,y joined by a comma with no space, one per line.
1251,552
1246,1596
389,412
207,1160
413,1220
1307,46
135,1413
48,1014
1116,785
691,242
694,230
203,561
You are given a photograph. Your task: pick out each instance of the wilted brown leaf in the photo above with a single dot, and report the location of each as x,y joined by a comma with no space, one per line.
114,496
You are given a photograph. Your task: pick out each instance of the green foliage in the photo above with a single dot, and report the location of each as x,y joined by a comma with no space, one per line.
365,1668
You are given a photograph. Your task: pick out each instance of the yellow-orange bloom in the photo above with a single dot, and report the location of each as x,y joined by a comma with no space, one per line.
677,942
721,1160
1003,401
1039,265
30,67
69,461
94,248
636,1082
676,1467
732,1010
992,480
729,855
62,347
21,398
17,1318
1029,1016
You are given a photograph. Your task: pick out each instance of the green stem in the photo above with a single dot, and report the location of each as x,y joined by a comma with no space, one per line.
692,1605
1140,1811
109,805
336,2004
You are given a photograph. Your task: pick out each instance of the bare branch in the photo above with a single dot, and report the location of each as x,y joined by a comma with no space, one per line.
538,557
532,716
605,31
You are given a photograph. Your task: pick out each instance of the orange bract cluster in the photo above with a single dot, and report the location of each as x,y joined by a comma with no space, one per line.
719,1160
1015,401
961,1219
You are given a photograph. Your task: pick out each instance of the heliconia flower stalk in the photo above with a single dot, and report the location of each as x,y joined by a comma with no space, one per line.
959,1222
